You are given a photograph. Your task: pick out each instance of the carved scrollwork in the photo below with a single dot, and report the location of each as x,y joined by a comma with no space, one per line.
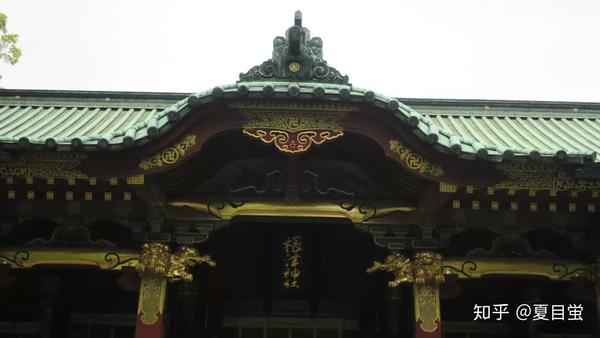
466,268
17,259
293,132
565,272
114,260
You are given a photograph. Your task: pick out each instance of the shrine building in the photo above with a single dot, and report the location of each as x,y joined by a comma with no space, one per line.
293,204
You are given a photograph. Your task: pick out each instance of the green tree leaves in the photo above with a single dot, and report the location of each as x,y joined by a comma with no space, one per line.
9,52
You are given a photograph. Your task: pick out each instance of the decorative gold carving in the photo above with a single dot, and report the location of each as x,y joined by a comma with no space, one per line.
541,177
44,165
447,187
415,161
292,248
294,67
25,258
545,267
427,306
293,132
135,180
170,155
354,211
157,260
397,264
425,268
151,299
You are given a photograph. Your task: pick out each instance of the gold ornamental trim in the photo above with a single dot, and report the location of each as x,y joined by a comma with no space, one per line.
415,161
357,212
541,177
430,268
151,301
427,306
169,155
293,132
553,269
26,258
44,165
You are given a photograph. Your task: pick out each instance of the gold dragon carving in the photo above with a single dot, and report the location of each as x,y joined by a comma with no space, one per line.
425,268
157,260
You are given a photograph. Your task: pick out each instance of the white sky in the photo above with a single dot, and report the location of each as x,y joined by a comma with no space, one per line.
508,49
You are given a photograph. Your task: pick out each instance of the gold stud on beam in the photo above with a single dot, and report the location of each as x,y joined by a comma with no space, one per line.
572,207
10,180
447,187
456,204
69,196
574,194
11,194
591,207
135,180
92,181
127,196
532,193
533,206
514,206
71,180
50,195
490,190
28,180
30,195
88,196
511,191
475,205
108,196
50,180
553,192
495,205
552,207
470,189
112,181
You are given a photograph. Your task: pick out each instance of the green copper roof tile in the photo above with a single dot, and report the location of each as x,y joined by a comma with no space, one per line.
490,130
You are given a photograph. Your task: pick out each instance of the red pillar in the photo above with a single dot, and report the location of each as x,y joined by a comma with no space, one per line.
149,323
427,311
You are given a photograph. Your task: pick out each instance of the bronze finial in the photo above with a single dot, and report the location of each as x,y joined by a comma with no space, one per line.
296,57
298,18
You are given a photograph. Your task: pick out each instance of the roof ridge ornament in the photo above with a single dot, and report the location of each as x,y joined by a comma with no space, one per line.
297,57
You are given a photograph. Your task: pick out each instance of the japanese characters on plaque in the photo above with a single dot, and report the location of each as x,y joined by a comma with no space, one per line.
292,258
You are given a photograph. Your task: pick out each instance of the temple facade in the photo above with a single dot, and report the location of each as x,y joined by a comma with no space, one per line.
292,204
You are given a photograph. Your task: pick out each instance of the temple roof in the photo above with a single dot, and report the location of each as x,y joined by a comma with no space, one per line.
487,129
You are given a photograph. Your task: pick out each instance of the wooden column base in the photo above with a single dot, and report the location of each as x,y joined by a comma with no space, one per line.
427,311
151,303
